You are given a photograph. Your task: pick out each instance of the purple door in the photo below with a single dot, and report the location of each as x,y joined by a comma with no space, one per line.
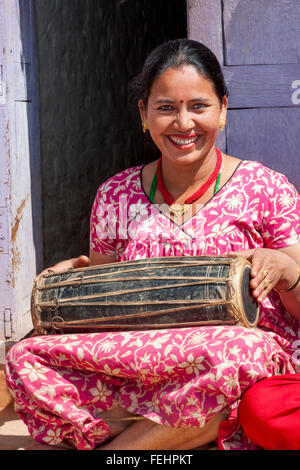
257,44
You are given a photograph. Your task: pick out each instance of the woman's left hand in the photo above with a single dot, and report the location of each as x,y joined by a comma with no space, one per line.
270,268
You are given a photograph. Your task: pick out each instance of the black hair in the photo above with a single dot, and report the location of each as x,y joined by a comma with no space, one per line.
174,54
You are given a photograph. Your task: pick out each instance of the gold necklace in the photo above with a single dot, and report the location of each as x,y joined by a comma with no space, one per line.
178,210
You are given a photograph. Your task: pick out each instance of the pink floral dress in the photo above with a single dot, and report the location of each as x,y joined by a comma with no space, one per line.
178,377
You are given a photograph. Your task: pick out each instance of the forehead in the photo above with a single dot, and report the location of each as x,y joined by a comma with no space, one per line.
184,81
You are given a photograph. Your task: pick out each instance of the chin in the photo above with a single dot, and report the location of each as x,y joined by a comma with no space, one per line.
186,158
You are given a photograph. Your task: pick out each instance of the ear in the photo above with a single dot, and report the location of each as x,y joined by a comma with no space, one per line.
224,107
142,110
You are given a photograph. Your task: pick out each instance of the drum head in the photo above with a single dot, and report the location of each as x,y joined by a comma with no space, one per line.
251,307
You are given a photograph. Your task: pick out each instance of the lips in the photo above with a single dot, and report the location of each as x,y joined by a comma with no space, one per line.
183,141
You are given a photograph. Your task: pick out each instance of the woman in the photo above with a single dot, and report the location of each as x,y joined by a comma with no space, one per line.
174,388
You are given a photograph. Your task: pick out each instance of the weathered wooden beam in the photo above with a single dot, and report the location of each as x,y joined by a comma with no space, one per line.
263,86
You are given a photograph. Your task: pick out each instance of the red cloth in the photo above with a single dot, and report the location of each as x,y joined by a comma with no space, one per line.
270,413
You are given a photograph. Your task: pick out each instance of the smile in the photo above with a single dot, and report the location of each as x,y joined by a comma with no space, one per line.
183,141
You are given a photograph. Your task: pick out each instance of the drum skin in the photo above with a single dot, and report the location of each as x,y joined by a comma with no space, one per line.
169,292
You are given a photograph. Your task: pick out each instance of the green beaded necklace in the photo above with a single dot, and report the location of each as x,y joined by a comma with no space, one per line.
154,186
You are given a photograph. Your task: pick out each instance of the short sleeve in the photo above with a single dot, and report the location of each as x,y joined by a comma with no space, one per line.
281,223
109,231
103,223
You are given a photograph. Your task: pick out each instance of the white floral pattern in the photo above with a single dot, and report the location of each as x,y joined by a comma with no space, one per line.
247,212
177,377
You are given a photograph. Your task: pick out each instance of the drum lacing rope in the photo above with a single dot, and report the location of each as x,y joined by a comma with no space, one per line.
54,308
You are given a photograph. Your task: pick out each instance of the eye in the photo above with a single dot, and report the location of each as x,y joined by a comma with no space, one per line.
197,106
165,107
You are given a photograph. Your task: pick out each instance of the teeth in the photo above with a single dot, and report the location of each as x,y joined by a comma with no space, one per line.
180,141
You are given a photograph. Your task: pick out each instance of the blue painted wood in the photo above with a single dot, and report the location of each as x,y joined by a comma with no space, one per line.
2,52
253,86
4,167
208,15
5,264
23,81
261,31
268,135
202,18
26,24
261,58
20,175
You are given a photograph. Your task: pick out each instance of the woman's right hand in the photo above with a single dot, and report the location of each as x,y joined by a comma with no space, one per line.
81,262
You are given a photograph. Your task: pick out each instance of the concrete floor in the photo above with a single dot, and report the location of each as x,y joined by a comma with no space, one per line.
13,432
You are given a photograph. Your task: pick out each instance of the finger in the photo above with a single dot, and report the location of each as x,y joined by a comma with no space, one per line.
45,271
262,275
259,274
266,289
243,253
258,267
38,276
248,254
264,283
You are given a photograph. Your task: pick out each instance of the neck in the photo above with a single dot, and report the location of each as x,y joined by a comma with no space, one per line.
179,178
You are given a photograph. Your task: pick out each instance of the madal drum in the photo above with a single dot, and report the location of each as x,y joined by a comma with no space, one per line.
169,292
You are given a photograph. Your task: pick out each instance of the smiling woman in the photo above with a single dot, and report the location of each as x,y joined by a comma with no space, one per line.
176,388
189,124
183,99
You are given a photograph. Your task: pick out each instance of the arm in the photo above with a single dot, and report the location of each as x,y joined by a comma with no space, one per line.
291,299
81,261
275,267
98,258
73,263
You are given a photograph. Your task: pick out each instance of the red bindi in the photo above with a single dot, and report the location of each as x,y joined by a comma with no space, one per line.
181,101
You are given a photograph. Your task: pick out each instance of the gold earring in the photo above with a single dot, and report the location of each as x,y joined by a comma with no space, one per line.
222,124
145,126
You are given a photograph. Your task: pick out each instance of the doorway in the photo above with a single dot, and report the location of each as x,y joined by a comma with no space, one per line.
88,52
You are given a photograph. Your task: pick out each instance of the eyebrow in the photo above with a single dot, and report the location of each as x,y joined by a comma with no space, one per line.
163,100
166,100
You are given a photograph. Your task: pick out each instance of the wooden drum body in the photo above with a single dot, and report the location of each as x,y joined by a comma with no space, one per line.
146,294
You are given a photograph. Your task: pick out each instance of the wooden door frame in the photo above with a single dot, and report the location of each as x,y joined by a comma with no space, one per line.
202,12
20,177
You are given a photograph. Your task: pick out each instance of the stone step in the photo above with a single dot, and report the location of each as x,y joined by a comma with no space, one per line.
5,396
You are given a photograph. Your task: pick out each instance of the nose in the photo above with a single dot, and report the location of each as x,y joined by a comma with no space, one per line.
184,120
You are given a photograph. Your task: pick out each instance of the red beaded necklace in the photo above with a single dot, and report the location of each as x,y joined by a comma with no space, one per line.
169,199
